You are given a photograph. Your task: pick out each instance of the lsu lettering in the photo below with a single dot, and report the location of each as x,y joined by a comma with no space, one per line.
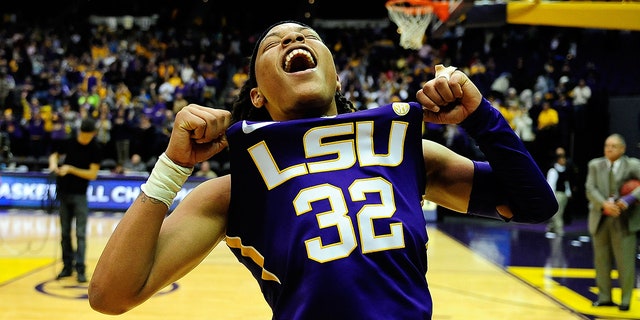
313,199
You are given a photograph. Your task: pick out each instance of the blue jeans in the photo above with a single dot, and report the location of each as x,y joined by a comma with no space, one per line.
73,206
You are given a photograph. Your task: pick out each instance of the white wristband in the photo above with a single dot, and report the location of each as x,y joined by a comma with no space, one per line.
165,180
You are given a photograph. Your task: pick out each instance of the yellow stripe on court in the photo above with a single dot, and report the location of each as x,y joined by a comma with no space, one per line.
543,279
13,268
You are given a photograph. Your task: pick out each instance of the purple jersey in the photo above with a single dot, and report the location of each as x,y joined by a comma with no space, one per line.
326,213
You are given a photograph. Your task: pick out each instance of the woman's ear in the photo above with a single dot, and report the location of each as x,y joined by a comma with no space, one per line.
338,84
257,98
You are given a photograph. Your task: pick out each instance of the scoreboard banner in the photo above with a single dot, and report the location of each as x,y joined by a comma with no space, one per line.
107,193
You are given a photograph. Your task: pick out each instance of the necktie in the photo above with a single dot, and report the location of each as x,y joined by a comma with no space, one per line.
612,182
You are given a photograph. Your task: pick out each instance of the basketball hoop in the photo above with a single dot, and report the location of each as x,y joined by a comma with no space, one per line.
413,17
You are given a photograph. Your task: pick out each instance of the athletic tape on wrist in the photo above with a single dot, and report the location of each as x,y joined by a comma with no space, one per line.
165,180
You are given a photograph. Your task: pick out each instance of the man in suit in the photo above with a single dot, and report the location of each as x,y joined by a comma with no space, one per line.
614,219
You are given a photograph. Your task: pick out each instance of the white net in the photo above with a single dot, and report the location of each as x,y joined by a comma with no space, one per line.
412,22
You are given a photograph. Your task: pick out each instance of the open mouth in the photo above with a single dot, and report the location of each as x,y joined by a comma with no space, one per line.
298,60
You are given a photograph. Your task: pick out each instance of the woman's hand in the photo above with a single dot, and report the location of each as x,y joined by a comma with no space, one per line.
449,98
197,134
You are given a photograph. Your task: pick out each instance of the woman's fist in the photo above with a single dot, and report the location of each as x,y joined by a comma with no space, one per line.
197,134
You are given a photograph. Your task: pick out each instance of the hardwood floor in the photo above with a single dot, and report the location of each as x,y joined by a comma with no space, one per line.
473,274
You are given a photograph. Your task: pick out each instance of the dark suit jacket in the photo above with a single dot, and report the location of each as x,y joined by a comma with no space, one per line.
597,190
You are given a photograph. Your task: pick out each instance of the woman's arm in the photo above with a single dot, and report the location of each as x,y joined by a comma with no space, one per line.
449,176
510,185
147,251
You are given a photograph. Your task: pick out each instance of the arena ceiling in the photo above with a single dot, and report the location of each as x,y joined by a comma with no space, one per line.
621,15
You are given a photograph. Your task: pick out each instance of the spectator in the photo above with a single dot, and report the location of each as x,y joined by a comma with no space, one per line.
121,131
559,178
580,95
134,165
547,134
205,170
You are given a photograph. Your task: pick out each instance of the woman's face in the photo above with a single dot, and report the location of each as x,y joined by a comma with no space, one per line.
295,73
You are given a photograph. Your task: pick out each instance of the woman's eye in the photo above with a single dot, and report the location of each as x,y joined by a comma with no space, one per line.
271,44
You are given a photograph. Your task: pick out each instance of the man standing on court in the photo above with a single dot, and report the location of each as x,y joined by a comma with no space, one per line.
559,178
613,220
81,163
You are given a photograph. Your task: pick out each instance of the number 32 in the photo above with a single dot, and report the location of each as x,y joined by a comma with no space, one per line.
337,217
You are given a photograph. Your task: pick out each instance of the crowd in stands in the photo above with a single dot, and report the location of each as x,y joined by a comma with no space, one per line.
133,82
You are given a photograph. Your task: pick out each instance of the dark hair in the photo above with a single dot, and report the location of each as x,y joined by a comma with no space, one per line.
88,125
243,108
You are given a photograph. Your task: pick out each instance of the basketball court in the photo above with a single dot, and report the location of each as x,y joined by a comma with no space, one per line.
478,269
465,284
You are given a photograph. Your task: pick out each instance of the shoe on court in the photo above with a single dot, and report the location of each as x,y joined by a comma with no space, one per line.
82,278
64,273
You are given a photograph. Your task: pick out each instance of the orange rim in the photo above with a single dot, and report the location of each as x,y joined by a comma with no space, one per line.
415,7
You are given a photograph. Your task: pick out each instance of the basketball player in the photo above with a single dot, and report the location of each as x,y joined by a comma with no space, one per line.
323,203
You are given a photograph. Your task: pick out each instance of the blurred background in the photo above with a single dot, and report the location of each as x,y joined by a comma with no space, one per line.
133,64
